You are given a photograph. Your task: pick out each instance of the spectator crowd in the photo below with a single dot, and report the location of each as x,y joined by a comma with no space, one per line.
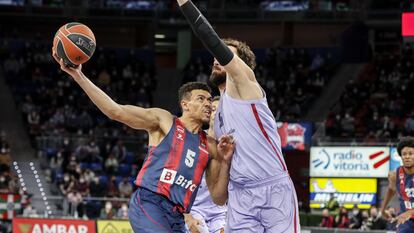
378,105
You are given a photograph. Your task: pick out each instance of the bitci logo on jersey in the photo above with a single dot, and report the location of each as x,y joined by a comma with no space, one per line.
169,176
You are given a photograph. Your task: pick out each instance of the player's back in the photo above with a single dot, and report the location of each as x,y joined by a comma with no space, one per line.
258,155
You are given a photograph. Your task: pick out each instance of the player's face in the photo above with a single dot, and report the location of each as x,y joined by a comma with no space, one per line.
214,106
407,155
199,105
218,74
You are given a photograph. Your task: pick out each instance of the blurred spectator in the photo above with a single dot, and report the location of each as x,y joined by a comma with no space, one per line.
66,184
33,119
119,151
356,218
409,124
365,223
342,220
96,188
4,184
5,158
112,189
375,222
76,206
333,205
123,211
108,212
327,219
111,164
30,212
125,188
82,187
89,176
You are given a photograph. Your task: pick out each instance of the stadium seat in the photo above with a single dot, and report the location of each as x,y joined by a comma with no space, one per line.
124,170
96,167
129,158
103,180
118,180
85,165
50,152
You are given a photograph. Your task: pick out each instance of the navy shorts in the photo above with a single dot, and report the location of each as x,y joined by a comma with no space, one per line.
407,227
152,213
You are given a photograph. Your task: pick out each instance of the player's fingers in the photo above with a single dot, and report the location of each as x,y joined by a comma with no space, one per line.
226,138
55,56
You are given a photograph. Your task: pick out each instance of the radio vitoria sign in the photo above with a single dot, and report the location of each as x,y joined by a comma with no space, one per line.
349,161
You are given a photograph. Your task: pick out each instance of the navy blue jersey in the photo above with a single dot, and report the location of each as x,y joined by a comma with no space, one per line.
175,167
405,190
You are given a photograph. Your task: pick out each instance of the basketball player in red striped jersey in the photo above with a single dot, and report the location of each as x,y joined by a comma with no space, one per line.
179,153
401,181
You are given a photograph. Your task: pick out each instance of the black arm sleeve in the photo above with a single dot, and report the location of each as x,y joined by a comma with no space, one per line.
206,34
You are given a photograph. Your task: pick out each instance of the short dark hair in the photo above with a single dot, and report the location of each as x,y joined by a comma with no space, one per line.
216,98
185,90
243,51
405,142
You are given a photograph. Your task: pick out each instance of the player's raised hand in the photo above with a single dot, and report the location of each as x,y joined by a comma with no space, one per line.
225,148
75,72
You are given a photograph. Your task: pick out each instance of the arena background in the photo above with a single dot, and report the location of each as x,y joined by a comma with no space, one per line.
338,76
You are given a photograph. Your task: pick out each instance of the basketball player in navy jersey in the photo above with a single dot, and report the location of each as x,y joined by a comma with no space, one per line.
205,215
179,153
401,181
262,197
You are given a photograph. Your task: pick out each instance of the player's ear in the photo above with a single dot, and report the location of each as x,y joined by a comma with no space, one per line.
184,105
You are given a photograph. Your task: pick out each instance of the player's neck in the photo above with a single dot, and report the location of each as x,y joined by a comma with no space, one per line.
210,132
222,87
190,124
409,171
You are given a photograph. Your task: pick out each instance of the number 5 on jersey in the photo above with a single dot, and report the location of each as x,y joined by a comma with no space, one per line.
189,158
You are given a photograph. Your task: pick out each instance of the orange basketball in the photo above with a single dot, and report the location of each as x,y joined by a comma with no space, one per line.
74,43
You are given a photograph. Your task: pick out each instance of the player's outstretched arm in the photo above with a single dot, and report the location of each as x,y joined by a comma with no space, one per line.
218,170
136,117
241,81
389,195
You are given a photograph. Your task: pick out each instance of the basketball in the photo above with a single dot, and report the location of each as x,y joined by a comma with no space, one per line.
75,43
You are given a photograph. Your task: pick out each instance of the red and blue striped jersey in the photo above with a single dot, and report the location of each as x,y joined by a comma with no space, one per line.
175,167
405,190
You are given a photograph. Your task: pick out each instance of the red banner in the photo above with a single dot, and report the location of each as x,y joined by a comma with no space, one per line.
407,24
37,225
